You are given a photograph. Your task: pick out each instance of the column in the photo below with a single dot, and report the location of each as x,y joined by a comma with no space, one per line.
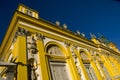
108,66
20,52
115,66
82,65
100,69
41,52
92,62
72,63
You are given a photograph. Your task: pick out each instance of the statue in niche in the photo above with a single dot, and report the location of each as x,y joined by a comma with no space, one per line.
32,67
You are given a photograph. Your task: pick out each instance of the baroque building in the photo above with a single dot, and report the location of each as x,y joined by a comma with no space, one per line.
35,49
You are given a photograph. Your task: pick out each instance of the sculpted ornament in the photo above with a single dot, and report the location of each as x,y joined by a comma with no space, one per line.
76,61
32,67
31,44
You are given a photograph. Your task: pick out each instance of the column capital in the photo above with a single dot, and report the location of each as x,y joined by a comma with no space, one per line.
39,36
20,32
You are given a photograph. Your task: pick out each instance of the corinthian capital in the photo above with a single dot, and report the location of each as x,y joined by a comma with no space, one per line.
21,32
39,36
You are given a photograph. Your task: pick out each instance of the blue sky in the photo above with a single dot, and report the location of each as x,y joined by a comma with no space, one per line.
87,16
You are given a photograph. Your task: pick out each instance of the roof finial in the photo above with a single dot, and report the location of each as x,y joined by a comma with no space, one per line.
83,34
64,26
78,32
92,35
57,23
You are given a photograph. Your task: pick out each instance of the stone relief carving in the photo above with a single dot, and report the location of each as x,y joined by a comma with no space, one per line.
31,45
76,61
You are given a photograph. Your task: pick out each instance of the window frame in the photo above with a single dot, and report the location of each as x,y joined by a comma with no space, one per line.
56,59
86,62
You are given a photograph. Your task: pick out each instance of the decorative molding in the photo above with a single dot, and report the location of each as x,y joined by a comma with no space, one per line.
76,61
54,34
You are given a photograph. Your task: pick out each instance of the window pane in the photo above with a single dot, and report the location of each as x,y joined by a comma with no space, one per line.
59,71
90,72
106,72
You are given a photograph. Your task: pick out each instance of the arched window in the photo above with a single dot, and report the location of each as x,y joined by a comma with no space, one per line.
54,50
87,65
57,63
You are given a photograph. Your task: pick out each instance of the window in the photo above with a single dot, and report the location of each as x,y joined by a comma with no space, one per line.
90,72
59,69
106,72
87,65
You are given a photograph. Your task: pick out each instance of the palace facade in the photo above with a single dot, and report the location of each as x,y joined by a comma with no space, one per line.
35,49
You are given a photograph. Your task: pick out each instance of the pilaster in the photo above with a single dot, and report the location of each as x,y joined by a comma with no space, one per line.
83,70
72,63
41,52
20,52
92,62
108,65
